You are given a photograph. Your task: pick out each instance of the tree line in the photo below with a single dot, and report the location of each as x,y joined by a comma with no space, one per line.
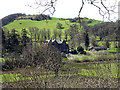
18,16
19,51
107,32
11,18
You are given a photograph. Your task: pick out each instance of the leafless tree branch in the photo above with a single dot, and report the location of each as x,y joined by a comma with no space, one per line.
100,11
81,10
49,5
107,10
102,8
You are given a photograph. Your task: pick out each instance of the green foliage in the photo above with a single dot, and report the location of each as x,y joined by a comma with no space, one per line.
2,60
93,41
24,38
65,59
11,41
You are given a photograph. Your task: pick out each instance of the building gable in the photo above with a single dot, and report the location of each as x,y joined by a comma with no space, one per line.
60,45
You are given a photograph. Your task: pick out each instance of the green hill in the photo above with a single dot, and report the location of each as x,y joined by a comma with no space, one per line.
47,24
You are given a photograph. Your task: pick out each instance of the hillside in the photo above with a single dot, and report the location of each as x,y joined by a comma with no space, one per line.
47,24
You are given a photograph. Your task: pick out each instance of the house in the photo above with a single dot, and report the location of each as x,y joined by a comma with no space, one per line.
97,48
60,45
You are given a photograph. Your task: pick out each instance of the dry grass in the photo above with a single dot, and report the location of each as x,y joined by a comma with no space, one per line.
65,82
62,81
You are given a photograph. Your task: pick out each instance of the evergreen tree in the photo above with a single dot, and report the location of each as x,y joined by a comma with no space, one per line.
14,40
66,35
8,45
59,26
3,43
107,44
24,38
86,40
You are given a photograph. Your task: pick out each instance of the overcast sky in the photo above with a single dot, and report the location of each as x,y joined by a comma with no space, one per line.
64,8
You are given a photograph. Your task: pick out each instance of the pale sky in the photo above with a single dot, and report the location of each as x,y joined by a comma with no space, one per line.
64,8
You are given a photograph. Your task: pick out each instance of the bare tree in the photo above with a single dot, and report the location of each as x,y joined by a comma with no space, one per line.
66,35
55,34
103,6
59,34
43,33
52,58
46,56
34,33
93,41
31,32
48,34
79,38
73,30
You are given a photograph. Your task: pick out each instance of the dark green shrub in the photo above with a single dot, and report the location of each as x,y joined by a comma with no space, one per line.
59,26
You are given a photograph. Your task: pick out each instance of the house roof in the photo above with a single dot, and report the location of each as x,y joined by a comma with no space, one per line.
58,41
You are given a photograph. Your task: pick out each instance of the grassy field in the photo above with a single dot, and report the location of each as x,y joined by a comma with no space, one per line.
49,24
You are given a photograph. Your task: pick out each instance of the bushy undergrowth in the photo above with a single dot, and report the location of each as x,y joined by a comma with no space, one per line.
10,64
95,57
73,75
47,57
64,82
